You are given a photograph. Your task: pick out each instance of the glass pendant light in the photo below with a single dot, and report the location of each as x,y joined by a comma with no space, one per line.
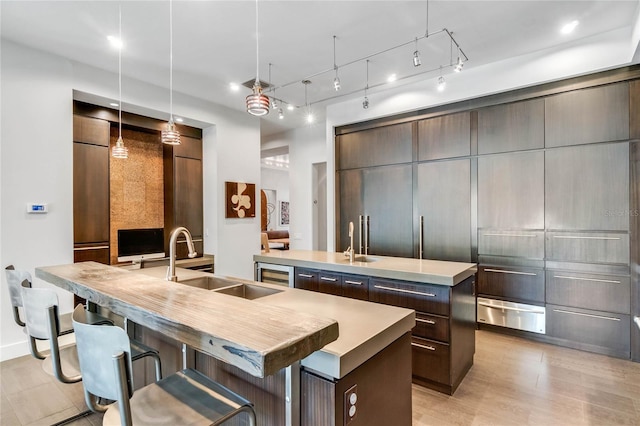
336,80
170,135
119,150
257,102
365,102
416,56
306,101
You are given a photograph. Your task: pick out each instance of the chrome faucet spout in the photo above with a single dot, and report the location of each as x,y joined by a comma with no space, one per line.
349,252
171,271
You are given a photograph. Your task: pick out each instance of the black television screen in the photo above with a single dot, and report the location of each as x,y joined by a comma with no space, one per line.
136,244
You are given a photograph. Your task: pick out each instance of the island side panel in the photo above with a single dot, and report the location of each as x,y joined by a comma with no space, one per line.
383,388
463,330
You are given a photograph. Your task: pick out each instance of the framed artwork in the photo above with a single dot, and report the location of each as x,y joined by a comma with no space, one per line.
284,212
240,200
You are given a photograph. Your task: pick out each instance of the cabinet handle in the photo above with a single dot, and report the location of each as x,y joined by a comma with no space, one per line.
402,290
417,345
90,248
305,275
421,236
587,279
333,280
353,282
511,235
586,315
575,237
366,237
426,321
360,234
508,308
500,271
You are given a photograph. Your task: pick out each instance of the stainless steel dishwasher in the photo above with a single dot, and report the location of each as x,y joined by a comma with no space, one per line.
274,274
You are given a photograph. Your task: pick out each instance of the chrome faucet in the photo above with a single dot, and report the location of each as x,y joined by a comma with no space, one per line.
171,272
349,252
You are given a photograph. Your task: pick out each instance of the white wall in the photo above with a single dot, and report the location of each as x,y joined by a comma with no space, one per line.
36,166
277,180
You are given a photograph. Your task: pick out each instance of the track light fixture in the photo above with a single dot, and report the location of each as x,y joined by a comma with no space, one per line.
280,114
416,56
459,65
119,150
306,101
274,101
170,136
257,102
365,102
442,84
336,80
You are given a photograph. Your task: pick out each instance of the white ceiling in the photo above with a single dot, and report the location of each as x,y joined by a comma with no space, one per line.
214,41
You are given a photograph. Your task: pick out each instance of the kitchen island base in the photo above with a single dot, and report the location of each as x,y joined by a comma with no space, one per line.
382,386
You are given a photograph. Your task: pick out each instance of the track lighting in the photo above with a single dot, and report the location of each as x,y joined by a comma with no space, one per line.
274,104
416,56
280,114
336,80
365,102
257,102
442,84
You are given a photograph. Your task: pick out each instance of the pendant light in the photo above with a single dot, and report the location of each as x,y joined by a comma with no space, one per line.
257,102
119,150
170,135
416,56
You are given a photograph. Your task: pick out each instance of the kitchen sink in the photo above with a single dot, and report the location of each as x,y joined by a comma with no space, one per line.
208,283
248,291
362,259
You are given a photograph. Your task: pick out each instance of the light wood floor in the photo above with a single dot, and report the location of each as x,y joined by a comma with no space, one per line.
513,382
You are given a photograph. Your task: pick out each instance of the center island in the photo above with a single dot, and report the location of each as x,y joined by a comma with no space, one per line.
302,358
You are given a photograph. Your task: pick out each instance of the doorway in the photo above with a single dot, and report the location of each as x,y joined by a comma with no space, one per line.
319,210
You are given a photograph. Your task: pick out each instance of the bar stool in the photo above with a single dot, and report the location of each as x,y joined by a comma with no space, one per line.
184,398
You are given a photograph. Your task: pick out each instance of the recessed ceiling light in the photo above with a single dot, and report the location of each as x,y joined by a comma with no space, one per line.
568,28
234,87
114,104
116,43
392,78
178,119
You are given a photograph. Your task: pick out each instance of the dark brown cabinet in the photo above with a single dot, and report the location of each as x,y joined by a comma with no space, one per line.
306,279
511,127
445,136
355,286
587,188
381,199
347,285
183,189
376,147
91,189
443,205
524,285
598,114
443,340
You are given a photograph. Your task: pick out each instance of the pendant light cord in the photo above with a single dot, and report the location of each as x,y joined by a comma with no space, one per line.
120,72
257,47
170,61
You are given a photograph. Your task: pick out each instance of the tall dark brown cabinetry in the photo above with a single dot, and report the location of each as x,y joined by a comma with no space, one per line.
553,200
183,192
90,189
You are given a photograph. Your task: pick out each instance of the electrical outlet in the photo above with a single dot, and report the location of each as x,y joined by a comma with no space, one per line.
350,404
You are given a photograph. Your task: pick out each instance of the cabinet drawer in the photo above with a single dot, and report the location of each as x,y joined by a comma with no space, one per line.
595,328
520,284
329,283
432,299
609,293
355,286
430,360
306,279
431,327
588,247
529,244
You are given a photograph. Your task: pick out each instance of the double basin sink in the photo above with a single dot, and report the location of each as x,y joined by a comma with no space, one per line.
230,287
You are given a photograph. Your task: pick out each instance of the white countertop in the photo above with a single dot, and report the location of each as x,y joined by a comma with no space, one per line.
415,270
